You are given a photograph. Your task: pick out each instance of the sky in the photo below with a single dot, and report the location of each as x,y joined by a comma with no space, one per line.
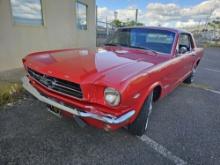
170,13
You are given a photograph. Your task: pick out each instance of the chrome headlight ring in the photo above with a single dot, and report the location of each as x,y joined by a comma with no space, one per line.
112,96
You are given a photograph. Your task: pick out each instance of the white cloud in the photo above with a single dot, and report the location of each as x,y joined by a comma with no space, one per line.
104,12
216,13
169,14
122,14
128,13
188,23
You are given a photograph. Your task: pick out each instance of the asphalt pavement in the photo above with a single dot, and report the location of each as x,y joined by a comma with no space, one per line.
184,129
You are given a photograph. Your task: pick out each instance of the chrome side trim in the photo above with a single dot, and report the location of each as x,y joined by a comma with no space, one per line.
105,118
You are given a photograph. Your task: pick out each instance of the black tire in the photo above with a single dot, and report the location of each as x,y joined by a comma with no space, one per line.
139,126
190,79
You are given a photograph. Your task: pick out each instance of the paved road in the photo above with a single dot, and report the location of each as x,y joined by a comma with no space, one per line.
184,128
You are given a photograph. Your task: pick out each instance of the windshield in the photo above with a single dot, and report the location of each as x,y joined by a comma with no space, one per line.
151,39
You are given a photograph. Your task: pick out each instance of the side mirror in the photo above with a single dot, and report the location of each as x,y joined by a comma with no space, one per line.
183,49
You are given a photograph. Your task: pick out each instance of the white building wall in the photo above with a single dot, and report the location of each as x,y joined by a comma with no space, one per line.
59,32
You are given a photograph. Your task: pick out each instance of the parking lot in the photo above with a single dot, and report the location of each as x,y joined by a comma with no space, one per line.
184,129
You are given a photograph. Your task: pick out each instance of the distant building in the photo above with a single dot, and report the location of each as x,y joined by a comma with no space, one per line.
36,25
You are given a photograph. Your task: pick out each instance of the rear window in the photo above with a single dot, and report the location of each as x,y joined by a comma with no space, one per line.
159,38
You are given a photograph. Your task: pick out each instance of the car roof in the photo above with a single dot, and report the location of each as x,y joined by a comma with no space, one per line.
157,27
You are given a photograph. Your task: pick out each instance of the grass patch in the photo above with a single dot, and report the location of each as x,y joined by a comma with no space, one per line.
212,44
10,92
199,86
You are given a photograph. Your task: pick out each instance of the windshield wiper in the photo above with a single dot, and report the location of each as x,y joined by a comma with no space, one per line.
155,52
139,47
112,44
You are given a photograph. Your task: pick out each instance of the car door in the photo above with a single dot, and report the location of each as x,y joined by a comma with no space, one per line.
181,64
185,56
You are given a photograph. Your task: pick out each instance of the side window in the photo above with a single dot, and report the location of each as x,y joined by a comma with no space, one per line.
185,43
27,12
81,15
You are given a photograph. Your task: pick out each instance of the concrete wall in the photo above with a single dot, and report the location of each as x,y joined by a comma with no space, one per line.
60,31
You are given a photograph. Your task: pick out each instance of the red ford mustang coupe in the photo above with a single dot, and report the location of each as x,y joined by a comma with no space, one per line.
117,84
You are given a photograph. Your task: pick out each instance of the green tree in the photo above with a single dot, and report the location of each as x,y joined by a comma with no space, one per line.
117,23
133,23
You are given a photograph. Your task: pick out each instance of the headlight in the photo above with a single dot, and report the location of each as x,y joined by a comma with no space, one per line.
112,96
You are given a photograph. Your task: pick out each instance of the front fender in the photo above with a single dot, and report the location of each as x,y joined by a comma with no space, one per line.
144,93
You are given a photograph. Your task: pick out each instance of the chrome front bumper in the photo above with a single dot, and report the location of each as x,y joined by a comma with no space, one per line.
105,118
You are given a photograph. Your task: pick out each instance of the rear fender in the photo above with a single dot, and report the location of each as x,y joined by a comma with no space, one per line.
196,63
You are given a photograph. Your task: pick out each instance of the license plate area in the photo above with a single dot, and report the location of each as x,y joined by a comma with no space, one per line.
55,111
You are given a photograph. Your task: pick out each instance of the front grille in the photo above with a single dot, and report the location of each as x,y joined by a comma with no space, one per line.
61,86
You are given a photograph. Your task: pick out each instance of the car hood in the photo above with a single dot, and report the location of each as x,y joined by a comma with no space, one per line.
108,65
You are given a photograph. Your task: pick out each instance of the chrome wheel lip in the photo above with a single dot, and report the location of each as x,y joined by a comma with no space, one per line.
149,111
193,74
194,70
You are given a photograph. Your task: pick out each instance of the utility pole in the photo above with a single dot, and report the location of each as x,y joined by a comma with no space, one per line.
107,30
136,16
116,15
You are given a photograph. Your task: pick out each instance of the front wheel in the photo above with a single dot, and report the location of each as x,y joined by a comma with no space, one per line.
140,125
